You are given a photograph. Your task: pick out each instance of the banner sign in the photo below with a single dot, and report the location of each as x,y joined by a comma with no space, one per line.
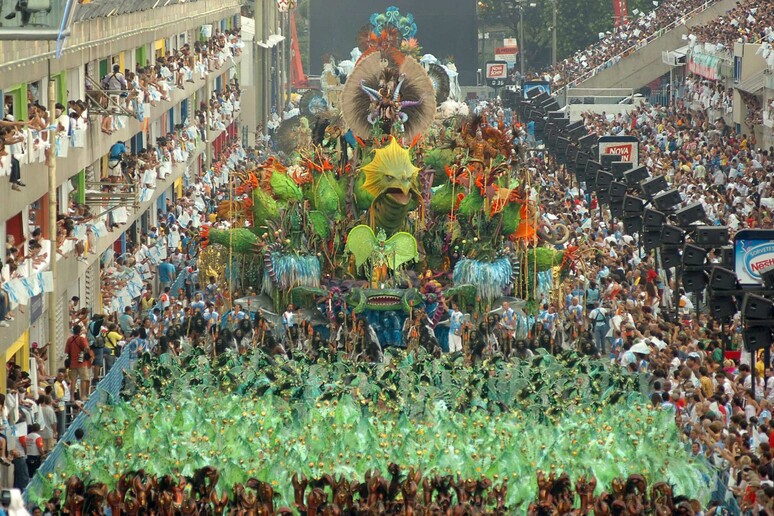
704,65
496,73
628,147
507,54
753,254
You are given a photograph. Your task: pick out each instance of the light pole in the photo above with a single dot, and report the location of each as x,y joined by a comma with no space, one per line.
52,228
521,39
519,4
553,37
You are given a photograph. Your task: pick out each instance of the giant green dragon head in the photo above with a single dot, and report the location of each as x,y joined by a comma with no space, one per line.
392,173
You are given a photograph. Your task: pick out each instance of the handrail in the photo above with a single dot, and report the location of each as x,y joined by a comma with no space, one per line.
641,43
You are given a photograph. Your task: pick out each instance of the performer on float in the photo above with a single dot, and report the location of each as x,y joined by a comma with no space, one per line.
455,328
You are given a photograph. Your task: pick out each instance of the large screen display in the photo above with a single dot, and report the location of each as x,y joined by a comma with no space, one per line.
445,28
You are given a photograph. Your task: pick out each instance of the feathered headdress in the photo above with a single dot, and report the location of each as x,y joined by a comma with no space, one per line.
411,96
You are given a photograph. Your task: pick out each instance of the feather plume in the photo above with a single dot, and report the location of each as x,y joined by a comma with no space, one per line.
440,80
490,278
417,86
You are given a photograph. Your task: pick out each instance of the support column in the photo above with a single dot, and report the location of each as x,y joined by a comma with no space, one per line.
52,209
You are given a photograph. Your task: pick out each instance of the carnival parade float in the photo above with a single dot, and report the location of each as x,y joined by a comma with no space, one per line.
394,208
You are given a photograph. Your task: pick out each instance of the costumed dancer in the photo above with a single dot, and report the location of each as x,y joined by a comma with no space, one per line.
455,329
507,328
411,329
290,334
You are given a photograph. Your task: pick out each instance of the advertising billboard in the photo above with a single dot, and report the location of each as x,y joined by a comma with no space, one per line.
628,147
753,253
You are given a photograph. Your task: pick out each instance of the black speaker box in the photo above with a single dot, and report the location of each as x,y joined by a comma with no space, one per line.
653,218
651,240
672,235
616,210
694,256
617,190
634,205
635,176
694,212
608,159
723,279
727,256
723,308
588,142
619,169
757,308
604,179
666,201
757,337
654,185
671,257
694,281
712,236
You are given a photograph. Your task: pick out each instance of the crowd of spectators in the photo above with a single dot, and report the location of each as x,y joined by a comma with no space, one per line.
135,93
704,94
133,274
632,312
626,38
749,22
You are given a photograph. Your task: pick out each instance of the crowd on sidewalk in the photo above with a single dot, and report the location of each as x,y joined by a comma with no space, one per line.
629,312
139,308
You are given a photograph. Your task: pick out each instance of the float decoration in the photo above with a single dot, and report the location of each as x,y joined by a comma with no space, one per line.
383,253
388,93
392,18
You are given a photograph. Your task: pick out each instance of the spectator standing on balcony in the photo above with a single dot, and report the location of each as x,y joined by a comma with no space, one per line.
115,83
173,239
112,347
126,321
80,354
73,307
17,450
115,158
62,120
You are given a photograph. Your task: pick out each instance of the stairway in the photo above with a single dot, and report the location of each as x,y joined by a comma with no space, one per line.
638,68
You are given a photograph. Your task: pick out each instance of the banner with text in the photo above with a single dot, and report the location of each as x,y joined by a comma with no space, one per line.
628,147
753,254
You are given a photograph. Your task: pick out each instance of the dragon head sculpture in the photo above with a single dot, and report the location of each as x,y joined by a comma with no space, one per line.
392,173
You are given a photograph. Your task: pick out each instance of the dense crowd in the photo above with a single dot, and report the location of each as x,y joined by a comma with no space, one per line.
135,286
629,313
748,22
119,95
